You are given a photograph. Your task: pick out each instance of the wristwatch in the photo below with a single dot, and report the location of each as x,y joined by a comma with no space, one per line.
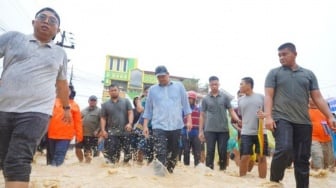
66,107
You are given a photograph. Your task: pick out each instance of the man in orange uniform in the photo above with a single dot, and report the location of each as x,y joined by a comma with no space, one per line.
60,134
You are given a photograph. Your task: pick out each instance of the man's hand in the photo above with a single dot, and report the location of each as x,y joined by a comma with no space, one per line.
332,123
270,124
128,127
67,117
261,114
103,134
145,131
201,136
189,126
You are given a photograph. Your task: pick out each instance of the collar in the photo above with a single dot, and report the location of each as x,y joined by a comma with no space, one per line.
170,83
299,68
115,101
32,38
219,94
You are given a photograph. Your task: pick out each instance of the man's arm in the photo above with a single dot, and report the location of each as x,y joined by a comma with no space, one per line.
268,105
323,107
102,127
201,127
139,108
130,115
234,115
62,89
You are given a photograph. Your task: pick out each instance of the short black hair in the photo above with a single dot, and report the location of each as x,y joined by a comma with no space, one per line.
213,78
134,101
114,85
146,87
72,94
249,80
288,45
238,92
50,10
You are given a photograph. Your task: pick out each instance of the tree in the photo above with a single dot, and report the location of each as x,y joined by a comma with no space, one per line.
191,84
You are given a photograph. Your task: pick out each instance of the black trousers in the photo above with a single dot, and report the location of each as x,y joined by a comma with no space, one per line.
113,146
166,146
292,144
221,138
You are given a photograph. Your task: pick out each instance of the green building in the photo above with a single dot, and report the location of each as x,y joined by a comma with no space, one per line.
124,72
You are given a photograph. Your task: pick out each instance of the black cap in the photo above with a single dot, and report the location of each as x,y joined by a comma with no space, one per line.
92,98
161,70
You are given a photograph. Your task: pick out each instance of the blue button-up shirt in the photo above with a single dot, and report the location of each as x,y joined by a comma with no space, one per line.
165,105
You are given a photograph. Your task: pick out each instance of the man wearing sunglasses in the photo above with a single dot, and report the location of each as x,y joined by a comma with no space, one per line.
34,69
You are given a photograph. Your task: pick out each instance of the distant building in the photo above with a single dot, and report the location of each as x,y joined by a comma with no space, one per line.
124,72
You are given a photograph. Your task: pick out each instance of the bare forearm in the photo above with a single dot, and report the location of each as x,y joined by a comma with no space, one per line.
268,107
62,89
139,108
201,122
102,123
145,123
234,116
268,103
323,107
130,117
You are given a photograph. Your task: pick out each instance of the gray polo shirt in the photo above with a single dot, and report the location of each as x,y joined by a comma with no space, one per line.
116,115
91,120
291,93
30,71
215,110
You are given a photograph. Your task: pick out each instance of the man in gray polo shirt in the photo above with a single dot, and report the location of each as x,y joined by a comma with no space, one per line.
287,91
32,66
214,123
116,124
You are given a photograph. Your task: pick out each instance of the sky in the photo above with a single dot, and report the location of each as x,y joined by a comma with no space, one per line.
192,38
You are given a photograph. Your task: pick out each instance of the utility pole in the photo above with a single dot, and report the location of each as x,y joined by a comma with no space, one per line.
67,42
71,75
70,40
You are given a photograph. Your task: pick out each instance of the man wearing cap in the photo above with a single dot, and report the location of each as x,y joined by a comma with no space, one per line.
166,102
91,125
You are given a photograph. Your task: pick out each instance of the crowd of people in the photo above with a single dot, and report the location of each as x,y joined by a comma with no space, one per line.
166,120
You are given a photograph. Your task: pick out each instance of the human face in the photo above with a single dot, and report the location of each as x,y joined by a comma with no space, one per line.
192,101
163,79
92,103
287,57
214,86
145,93
243,86
114,92
46,26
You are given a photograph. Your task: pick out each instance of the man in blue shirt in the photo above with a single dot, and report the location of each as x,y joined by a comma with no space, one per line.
166,101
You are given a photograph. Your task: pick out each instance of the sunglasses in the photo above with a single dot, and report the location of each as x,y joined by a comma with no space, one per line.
44,17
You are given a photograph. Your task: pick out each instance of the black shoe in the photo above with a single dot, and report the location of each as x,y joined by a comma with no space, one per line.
170,167
232,156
